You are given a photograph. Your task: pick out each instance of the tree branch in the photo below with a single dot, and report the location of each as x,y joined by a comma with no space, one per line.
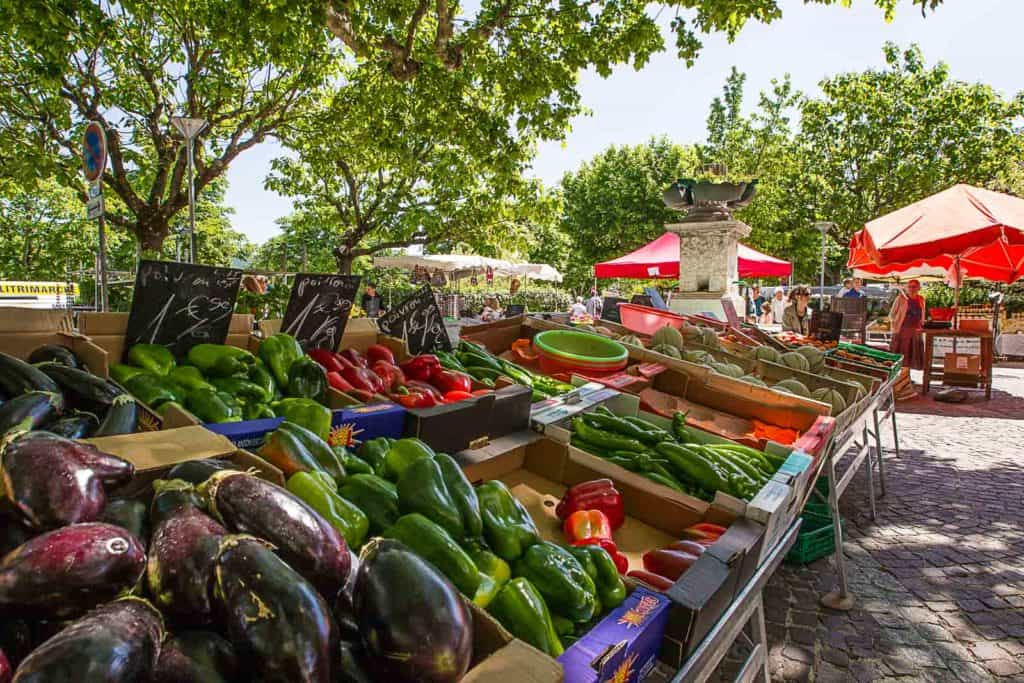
393,244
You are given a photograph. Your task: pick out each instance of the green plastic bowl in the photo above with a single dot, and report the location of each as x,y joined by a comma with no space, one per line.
582,348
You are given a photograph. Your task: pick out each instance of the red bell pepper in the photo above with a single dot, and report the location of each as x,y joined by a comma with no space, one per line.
653,580
390,375
705,531
482,392
620,560
361,395
450,380
423,388
668,563
420,367
338,382
584,524
379,352
362,378
414,399
598,494
692,547
328,360
354,357
456,396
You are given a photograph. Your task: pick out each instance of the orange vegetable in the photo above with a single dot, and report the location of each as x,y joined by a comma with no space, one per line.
523,349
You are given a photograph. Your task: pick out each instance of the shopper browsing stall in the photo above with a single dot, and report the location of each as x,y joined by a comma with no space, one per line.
797,316
778,305
907,318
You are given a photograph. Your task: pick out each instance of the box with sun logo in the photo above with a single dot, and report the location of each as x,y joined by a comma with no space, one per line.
623,647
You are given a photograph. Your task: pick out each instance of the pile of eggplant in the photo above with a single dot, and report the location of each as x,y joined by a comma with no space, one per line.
55,392
217,576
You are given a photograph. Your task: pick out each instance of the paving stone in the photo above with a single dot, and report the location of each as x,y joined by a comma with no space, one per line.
986,651
1003,667
969,672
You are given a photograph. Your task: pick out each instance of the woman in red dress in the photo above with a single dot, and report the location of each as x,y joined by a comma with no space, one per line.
907,319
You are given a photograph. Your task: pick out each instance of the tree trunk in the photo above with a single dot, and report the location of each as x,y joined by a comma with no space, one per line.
151,232
344,261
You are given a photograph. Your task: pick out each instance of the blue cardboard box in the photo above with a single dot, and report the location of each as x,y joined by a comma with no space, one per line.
349,426
623,647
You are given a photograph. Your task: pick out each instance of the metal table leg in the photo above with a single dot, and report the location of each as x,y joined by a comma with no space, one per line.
838,599
879,453
870,470
895,434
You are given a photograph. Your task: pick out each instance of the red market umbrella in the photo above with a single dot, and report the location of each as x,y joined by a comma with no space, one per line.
979,226
660,260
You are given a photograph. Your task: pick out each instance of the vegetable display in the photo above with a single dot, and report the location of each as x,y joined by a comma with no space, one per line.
485,367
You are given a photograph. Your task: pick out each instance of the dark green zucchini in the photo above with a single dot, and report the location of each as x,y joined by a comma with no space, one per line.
83,390
75,426
30,411
197,471
18,377
55,353
129,514
122,417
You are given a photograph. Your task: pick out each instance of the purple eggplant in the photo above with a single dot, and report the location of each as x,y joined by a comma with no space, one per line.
116,643
47,486
66,572
129,514
13,531
182,550
278,623
110,469
415,624
196,657
304,539
5,669
30,410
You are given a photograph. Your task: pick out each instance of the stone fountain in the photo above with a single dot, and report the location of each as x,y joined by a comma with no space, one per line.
708,236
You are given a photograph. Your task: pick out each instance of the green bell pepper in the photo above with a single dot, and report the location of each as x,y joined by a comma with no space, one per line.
256,411
260,376
376,497
563,627
560,579
421,489
121,373
403,453
436,546
494,574
463,493
374,452
600,566
219,360
319,493
306,413
307,379
508,527
278,352
351,463
242,389
154,358
208,406
153,390
520,609
189,378
318,448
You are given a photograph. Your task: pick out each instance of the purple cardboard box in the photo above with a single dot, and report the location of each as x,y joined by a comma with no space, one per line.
623,647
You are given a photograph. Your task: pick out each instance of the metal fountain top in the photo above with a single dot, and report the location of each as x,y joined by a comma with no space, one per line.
708,201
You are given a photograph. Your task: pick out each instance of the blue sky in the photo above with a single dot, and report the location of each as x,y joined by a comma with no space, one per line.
979,39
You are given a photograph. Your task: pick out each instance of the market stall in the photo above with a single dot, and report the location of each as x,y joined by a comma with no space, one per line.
660,260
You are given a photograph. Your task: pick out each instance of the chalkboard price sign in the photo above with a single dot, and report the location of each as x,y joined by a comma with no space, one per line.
318,309
181,305
417,320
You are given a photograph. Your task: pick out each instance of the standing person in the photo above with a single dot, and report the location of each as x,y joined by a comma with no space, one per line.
594,304
757,299
797,317
578,309
778,305
371,301
765,318
907,319
847,286
856,292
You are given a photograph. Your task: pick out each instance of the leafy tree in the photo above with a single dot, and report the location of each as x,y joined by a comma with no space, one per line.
612,203
131,65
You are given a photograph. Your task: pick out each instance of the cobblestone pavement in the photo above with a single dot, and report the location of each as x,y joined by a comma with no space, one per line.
939,575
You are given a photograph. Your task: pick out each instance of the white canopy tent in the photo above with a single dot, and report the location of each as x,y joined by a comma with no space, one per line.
454,263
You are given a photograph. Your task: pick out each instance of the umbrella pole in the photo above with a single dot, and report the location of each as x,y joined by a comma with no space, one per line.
956,294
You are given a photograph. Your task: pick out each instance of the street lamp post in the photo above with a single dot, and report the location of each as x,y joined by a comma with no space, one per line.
190,128
824,227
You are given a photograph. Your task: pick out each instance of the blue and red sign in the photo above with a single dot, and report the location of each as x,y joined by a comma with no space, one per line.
94,151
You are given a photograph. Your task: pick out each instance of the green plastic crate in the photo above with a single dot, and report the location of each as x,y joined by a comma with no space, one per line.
816,538
877,354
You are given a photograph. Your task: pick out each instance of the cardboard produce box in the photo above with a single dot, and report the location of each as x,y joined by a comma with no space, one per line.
22,330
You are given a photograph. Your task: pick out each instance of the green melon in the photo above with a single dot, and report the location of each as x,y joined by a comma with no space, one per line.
691,333
796,361
832,397
631,339
768,353
697,356
668,350
793,386
727,369
667,335
709,338
815,357
750,379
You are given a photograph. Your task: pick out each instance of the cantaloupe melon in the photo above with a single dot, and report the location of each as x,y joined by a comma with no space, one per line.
667,335
815,357
727,369
630,339
793,386
753,380
768,353
691,333
832,397
697,356
709,338
796,361
668,350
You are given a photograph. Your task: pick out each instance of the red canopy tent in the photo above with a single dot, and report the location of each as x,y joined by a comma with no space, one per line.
660,260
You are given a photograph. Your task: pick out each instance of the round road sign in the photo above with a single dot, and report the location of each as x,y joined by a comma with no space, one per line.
94,151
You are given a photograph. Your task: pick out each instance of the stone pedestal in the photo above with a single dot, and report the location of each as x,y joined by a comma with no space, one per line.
708,268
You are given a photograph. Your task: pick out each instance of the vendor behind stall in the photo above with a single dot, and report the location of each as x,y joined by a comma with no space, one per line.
491,311
371,301
797,317
907,320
